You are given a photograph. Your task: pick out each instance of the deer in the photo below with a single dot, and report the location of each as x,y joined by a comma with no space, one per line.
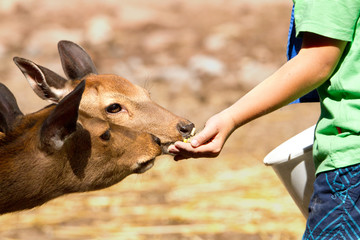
58,150
107,96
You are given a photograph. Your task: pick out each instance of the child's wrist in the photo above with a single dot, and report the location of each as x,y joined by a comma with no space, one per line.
230,119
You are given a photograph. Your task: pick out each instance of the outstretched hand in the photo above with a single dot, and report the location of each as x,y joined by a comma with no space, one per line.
207,143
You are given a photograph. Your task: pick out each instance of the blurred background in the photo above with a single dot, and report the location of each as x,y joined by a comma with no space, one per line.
196,58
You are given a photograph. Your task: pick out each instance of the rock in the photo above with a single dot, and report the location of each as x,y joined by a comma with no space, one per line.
132,69
8,6
43,40
99,30
178,78
215,42
253,72
159,40
136,16
133,15
207,65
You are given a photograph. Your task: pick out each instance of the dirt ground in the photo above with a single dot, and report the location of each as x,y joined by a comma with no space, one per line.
196,58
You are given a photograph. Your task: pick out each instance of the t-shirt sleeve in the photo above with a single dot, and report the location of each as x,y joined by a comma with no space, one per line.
330,18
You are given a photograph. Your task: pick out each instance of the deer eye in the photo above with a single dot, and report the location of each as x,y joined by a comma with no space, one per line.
106,135
114,108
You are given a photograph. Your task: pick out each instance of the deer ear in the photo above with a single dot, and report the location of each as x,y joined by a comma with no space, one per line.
9,110
45,83
75,61
62,121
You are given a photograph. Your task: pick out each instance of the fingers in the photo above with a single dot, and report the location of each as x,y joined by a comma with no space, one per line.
207,143
185,150
173,150
204,136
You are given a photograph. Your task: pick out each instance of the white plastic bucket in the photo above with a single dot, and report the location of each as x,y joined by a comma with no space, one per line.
293,163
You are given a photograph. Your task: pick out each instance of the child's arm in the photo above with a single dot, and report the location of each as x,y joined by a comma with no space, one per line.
313,65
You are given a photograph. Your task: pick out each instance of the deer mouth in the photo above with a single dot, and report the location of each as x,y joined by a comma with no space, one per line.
185,138
144,166
165,147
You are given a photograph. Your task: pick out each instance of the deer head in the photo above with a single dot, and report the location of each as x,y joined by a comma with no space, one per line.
58,150
107,97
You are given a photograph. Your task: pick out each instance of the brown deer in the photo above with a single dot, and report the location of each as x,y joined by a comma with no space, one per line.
58,150
108,97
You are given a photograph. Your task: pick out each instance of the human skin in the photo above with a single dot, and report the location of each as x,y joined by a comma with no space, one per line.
313,66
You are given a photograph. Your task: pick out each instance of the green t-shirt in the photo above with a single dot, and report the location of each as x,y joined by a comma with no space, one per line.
337,135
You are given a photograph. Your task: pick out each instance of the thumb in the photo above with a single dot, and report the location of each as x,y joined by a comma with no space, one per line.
204,136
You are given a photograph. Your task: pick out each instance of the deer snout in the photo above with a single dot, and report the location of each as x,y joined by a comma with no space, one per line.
185,128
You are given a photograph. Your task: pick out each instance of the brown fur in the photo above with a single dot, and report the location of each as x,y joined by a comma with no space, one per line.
33,173
138,112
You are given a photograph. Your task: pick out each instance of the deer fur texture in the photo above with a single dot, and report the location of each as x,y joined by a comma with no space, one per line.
108,97
59,150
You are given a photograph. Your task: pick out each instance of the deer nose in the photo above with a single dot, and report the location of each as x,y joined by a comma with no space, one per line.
185,128
156,139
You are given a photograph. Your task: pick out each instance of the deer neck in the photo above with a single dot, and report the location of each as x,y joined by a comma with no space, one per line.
29,176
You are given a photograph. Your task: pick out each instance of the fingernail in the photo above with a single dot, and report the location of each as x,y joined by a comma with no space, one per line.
194,143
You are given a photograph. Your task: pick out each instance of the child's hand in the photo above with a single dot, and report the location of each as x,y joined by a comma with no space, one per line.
207,143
